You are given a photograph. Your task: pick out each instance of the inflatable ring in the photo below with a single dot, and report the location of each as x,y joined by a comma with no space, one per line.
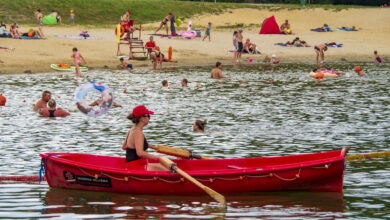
104,105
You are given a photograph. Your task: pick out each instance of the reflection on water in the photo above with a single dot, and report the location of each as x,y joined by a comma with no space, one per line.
40,201
258,111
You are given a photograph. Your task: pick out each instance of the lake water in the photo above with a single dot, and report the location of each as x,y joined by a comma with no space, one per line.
258,111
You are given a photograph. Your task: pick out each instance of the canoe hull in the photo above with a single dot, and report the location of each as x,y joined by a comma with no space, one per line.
324,174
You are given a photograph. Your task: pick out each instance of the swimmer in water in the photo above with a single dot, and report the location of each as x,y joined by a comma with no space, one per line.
199,125
52,111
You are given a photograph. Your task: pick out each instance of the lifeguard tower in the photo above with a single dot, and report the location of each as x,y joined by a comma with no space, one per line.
127,34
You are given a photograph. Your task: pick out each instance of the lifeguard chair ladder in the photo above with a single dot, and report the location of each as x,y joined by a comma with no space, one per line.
136,44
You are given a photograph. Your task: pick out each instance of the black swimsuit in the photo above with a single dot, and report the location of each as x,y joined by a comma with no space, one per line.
131,154
51,113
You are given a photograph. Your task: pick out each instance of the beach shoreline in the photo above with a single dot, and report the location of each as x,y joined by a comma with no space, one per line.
35,56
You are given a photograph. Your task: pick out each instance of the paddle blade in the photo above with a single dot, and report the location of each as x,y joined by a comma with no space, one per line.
218,197
382,154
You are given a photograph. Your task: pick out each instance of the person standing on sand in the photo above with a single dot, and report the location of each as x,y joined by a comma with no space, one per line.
77,57
72,16
320,50
216,73
240,45
235,45
173,21
164,23
207,32
157,58
38,15
377,58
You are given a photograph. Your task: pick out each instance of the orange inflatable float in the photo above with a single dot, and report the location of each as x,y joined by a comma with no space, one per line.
170,53
320,74
3,100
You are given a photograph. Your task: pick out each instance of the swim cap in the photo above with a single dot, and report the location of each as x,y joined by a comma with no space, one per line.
141,110
358,69
51,103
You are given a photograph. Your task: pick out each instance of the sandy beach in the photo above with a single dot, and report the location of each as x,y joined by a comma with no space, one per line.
35,56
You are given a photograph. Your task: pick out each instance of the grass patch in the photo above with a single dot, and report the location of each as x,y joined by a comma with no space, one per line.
104,13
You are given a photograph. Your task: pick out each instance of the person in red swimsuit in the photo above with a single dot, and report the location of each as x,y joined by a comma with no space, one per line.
150,45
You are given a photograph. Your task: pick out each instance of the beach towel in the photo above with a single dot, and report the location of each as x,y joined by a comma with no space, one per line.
244,52
345,29
319,30
164,35
282,44
30,38
290,45
333,44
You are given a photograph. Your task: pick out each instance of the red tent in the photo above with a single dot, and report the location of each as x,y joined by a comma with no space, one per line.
270,26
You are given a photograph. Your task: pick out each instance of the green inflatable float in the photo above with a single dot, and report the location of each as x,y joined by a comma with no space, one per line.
49,19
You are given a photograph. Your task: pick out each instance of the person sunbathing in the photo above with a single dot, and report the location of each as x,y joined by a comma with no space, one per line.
297,43
34,33
326,28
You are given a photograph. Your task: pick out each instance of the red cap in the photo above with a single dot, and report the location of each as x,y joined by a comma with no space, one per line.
358,69
141,110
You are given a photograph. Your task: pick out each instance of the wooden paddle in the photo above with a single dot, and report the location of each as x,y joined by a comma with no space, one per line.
188,154
354,157
177,152
173,167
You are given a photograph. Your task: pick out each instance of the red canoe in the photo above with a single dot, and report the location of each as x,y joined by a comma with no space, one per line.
321,171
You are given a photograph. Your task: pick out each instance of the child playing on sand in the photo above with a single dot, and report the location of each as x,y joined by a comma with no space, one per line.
72,16
207,32
124,65
378,59
77,57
